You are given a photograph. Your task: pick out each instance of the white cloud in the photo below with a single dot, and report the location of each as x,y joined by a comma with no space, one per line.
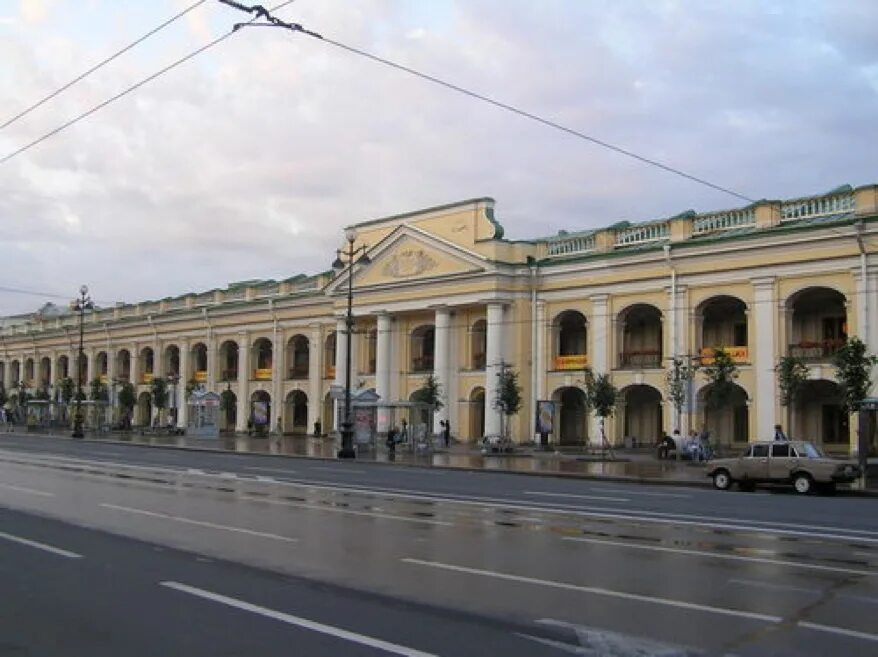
246,162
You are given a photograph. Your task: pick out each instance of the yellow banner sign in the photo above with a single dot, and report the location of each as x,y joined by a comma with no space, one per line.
575,362
737,354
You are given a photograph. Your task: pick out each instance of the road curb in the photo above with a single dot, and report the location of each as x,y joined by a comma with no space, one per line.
629,479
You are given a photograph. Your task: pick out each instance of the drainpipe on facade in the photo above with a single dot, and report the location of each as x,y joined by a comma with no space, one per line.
678,420
863,270
534,328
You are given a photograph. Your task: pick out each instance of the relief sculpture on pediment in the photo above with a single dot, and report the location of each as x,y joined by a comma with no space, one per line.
409,262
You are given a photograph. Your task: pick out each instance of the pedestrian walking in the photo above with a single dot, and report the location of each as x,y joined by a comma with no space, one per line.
404,432
446,432
779,434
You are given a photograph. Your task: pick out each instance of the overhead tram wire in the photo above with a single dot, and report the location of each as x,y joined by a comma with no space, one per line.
295,27
100,64
126,91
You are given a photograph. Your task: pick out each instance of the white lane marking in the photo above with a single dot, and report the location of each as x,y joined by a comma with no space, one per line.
254,468
40,546
337,632
353,512
579,497
719,555
336,469
632,492
200,523
596,590
25,489
838,630
771,587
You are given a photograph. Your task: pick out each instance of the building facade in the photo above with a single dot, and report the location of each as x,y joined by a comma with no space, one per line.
445,294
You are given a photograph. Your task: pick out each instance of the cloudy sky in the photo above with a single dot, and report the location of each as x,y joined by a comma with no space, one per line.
248,160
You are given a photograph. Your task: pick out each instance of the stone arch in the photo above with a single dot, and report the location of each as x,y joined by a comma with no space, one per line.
329,349
570,340
728,423
299,356
101,364
171,361
147,360
477,413
296,413
422,345
641,415
29,370
723,324
123,365
198,361
639,328
228,359
229,416
15,371
478,344
817,322
818,414
45,372
143,409
262,354
63,367
260,411
571,416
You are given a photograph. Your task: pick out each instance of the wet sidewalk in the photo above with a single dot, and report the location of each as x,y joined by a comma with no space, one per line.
639,465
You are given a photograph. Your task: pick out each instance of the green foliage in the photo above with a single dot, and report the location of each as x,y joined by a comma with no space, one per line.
98,390
600,393
67,389
42,394
191,386
227,400
127,396
3,396
721,375
22,396
508,399
159,391
853,365
430,393
677,382
792,373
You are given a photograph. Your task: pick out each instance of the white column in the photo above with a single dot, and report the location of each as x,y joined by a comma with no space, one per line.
90,370
441,364
341,350
765,355
243,410
315,374
382,357
599,355
278,366
7,375
182,405
493,362
134,361
539,358
212,358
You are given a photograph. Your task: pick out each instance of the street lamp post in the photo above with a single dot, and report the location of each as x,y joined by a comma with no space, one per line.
80,305
346,259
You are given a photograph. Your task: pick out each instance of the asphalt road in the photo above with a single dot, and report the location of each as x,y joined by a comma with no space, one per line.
481,557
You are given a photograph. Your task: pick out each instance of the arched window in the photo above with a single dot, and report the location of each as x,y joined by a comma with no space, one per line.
423,347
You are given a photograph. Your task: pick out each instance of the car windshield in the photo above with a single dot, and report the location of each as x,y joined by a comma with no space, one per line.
811,451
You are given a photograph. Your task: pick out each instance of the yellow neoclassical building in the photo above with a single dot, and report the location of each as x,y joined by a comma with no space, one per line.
445,293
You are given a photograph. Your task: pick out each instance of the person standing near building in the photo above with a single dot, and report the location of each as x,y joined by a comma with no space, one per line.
446,432
779,434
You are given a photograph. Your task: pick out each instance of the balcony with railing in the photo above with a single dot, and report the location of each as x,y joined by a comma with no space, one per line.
229,374
717,222
839,202
200,376
422,364
816,350
641,359
571,362
299,371
564,243
643,233
739,355
262,374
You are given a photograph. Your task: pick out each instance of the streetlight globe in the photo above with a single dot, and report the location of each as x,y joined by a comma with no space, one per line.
83,290
350,234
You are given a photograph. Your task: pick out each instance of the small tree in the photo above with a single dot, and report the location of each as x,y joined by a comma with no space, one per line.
720,374
430,393
127,398
600,396
68,387
3,396
98,390
853,365
677,381
191,386
227,404
792,373
508,400
42,394
159,391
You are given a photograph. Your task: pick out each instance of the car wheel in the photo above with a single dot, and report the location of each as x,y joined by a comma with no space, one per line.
722,480
802,483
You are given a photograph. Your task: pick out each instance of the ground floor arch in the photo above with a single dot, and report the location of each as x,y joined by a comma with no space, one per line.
818,414
328,409
476,413
726,419
571,416
295,416
143,409
229,410
640,416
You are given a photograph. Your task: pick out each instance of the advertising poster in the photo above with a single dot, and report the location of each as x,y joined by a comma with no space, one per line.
545,416
260,413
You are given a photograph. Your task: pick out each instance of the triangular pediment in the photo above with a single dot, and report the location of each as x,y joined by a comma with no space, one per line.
411,254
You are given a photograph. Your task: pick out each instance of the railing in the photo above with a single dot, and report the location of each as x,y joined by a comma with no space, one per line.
641,359
571,362
643,234
263,374
478,362
422,364
199,376
234,295
203,298
571,244
817,206
816,349
720,221
230,374
299,372
176,304
737,354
